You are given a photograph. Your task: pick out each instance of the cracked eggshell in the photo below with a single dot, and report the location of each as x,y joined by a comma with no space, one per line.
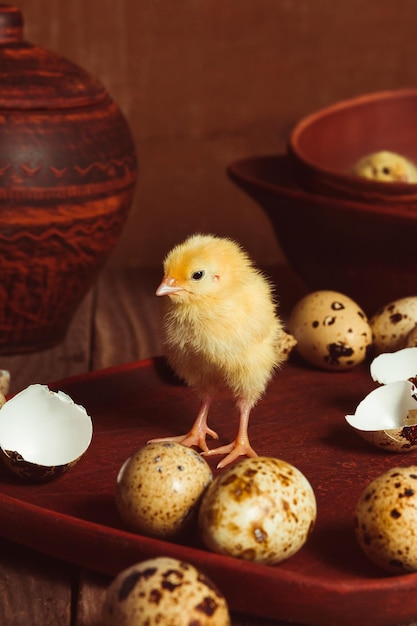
392,324
159,488
331,330
386,520
387,417
164,591
392,366
261,509
43,433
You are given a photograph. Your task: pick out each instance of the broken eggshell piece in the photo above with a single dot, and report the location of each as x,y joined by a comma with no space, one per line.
43,433
387,417
392,366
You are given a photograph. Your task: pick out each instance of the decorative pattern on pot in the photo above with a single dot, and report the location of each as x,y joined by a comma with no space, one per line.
68,170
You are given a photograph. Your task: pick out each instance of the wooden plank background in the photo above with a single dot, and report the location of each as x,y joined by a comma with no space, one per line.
205,83
118,322
201,84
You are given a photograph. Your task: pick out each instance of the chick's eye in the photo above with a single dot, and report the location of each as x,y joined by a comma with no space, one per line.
386,170
198,275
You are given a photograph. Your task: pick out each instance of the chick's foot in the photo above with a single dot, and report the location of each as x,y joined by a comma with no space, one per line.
195,437
233,451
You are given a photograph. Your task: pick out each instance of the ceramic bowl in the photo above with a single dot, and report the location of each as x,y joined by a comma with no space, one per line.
364,250
325,146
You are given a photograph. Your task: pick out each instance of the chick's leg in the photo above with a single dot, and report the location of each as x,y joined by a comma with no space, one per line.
241,445
199,430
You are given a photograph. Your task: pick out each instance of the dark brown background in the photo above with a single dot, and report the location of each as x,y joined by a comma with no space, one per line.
204,82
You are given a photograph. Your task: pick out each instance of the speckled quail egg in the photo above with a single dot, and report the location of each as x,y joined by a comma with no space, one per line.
331,330
386,520
164,592
159,488
261,509
410,340
392,324
4,382
43,433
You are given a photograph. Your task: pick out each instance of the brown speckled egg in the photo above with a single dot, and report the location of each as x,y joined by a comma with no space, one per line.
386,520
392,324
331,330
159,487
261,509
164,592
410,340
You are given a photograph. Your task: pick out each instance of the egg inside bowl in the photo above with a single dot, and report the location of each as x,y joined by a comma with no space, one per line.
325,146
364,250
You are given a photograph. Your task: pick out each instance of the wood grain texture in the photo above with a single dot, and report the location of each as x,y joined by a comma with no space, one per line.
205,83
34,590
127,317
72,356
201,84
90,597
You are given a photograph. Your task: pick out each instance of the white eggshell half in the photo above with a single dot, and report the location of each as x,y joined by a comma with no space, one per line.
393,366
45,427
411,339
386,408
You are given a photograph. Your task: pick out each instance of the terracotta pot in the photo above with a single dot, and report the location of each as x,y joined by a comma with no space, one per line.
67,175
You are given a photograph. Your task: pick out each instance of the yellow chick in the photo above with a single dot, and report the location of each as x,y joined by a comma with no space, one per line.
221,331
386,166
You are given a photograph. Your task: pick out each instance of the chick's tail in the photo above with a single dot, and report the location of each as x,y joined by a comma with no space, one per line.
284,346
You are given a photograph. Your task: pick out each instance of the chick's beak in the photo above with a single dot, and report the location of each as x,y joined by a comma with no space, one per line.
168,286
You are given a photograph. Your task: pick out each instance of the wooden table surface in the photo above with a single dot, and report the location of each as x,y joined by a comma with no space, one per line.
118,322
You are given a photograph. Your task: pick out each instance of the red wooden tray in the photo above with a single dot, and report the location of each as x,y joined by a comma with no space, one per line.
301,420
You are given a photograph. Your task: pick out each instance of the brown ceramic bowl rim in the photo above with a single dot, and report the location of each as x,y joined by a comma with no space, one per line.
237,171
394,188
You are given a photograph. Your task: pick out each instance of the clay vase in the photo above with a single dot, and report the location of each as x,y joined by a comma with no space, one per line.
68,170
